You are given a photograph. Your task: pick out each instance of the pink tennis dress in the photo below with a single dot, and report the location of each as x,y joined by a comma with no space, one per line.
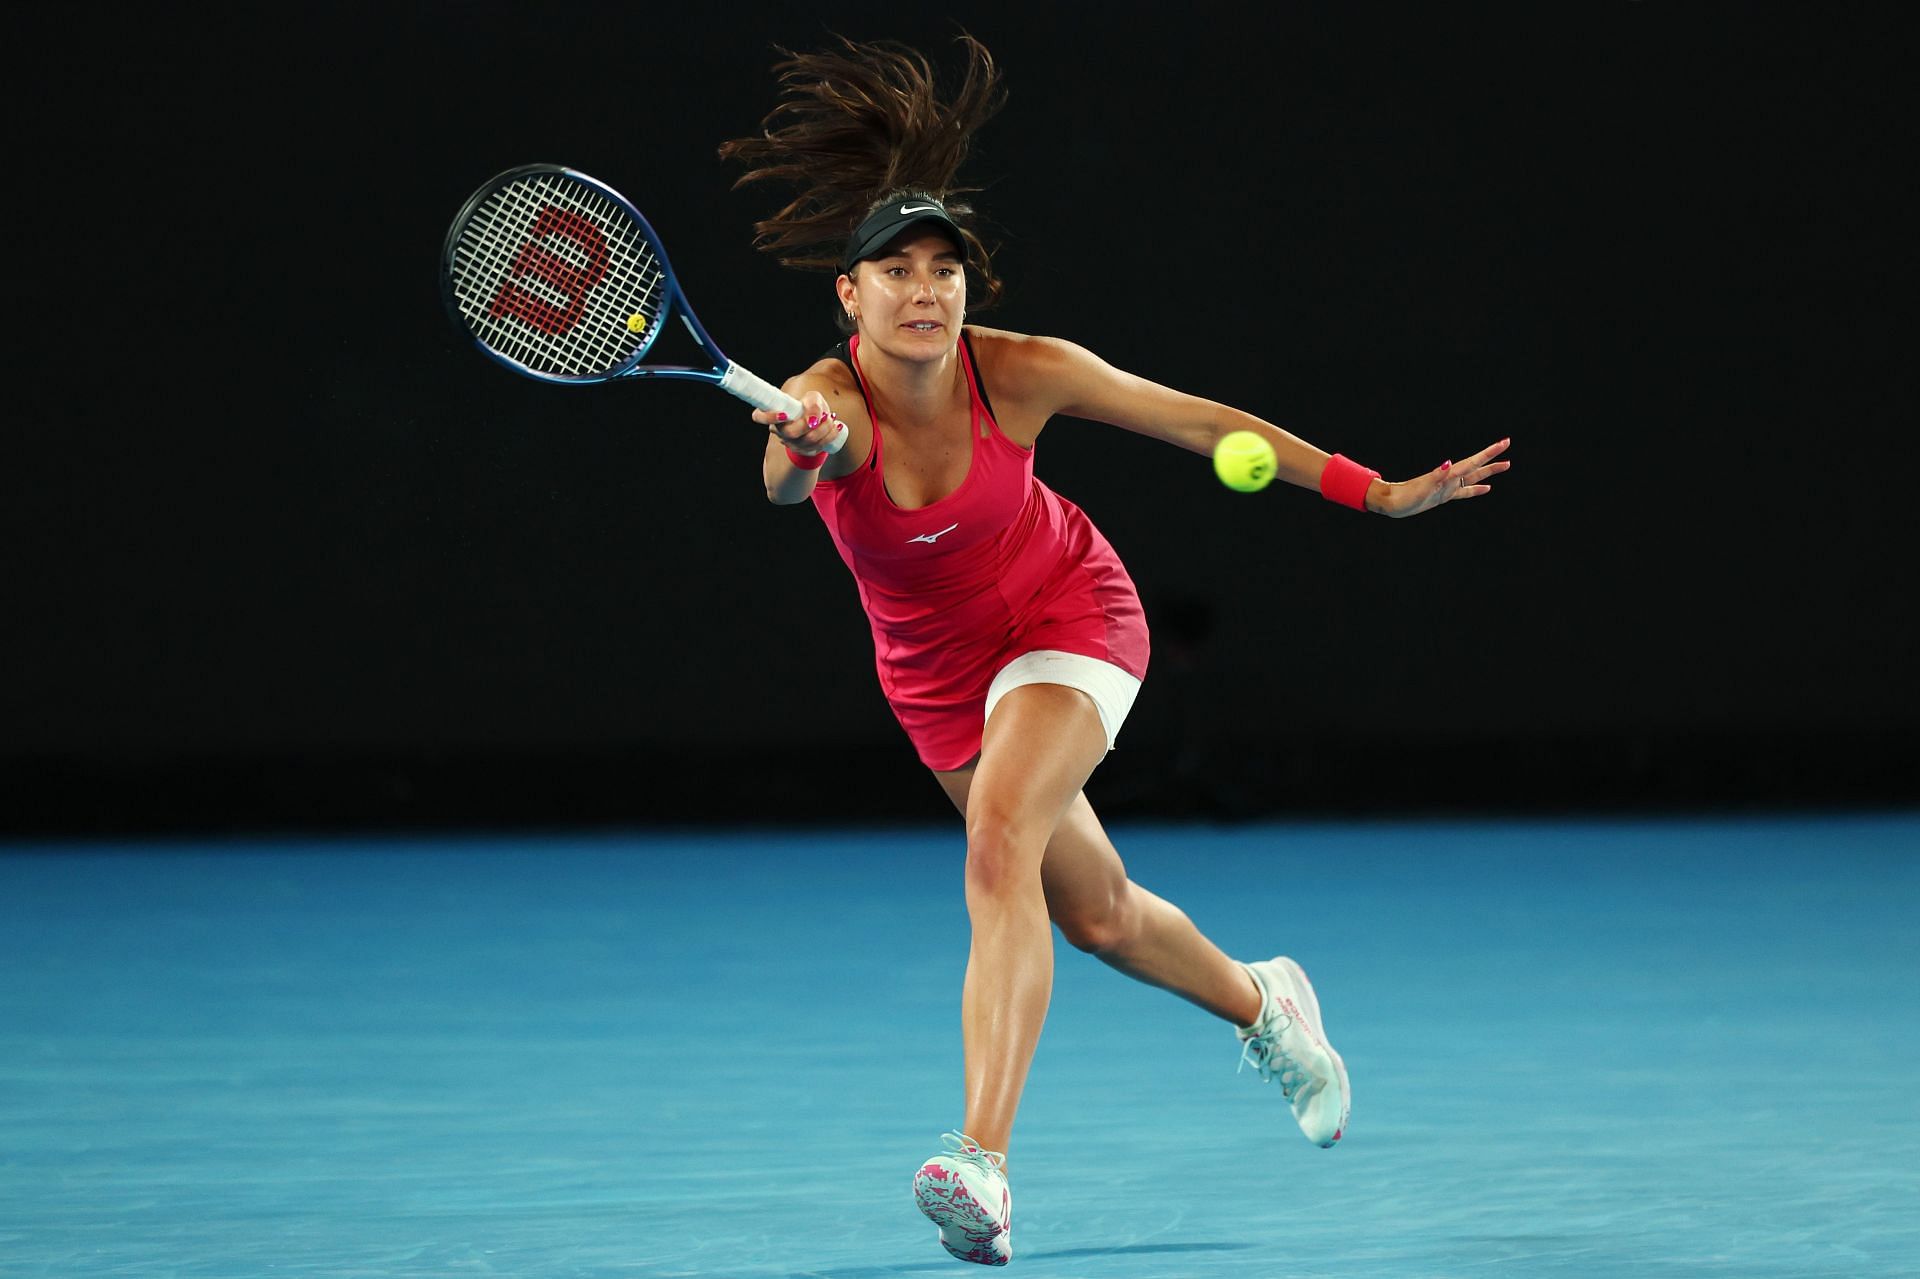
956,589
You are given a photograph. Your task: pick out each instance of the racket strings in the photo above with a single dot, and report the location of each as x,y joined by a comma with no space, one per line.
554,275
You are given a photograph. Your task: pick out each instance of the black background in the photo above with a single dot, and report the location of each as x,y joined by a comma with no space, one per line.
284,550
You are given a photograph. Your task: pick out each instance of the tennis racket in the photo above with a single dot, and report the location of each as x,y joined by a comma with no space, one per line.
557,276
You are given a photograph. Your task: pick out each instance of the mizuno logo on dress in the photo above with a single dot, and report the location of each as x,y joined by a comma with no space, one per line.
931,538
920,208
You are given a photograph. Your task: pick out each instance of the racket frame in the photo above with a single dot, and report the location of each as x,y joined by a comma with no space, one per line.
675,300
723,372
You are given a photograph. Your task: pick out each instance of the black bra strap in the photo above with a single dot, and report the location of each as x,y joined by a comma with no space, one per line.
979,379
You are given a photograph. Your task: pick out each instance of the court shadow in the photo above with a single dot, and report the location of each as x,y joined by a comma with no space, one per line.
872,1272
1138,1249
1121,1250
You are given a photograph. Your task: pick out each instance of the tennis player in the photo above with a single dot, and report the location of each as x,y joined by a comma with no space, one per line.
1009,640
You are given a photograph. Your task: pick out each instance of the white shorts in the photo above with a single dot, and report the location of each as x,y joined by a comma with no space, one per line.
1111,688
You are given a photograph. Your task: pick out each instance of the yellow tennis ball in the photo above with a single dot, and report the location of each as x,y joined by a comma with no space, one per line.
1244,461
636,323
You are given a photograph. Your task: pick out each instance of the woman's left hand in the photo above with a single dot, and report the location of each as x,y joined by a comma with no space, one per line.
1446,482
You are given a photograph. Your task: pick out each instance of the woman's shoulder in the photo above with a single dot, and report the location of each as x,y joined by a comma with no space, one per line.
834,381
828,371
996,343
1005,344
833,378
1019,362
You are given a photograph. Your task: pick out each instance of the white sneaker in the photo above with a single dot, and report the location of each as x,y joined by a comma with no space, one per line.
964,1193
1287,1044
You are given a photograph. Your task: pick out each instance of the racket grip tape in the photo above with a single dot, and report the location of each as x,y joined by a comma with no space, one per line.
762,394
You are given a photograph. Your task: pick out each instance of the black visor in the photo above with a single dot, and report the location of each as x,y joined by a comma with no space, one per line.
885,223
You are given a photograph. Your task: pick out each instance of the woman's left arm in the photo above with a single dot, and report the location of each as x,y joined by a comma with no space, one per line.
1054,376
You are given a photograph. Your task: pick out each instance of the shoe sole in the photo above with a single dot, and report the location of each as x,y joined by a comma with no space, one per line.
943,1199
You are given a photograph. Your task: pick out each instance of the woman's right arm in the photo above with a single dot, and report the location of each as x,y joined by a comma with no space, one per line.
789,483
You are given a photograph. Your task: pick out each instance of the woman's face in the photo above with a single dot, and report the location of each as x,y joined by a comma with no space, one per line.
911,300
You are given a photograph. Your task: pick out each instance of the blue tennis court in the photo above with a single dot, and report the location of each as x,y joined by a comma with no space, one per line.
1587,1048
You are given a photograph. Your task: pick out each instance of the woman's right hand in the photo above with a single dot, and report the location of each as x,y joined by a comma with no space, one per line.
811,433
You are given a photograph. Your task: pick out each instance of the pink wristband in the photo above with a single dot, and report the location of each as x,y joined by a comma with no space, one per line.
805,462
1345,481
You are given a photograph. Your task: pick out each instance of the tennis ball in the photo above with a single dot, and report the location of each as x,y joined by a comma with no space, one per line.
1244,461
636,323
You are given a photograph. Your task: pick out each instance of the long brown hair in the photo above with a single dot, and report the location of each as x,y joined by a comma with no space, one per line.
858,126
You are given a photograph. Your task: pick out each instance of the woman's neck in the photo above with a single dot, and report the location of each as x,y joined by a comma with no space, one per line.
916,392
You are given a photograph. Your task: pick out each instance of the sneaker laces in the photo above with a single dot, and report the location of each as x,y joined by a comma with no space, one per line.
1263,1052
967,1150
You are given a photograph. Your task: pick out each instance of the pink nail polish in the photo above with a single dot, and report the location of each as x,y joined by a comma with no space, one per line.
812,422
1446,465
782,417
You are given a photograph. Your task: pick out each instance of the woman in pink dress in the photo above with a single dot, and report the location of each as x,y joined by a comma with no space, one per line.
1008,638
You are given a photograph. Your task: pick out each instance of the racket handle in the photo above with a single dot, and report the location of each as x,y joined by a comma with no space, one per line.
762,394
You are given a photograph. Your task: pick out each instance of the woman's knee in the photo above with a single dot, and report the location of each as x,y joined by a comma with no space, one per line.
1002,854
1100,924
